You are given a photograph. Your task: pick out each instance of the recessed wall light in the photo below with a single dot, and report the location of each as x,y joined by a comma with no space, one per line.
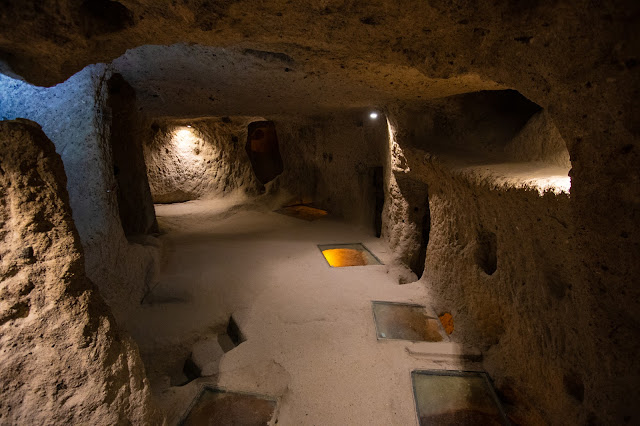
373,115
189,125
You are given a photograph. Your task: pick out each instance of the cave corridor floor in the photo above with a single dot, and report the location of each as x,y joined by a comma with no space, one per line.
310,335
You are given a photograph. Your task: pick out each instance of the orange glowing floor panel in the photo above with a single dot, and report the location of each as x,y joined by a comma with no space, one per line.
303,211
341,255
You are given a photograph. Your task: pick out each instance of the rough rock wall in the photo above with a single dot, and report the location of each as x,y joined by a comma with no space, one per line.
329,160
206,160
64,361
498,134
540,141
506,262
501,261
75,117
399,226
297,183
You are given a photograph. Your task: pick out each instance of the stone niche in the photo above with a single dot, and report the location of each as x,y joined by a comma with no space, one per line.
263,150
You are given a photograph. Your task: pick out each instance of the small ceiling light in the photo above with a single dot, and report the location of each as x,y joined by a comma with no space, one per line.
189,125
373,115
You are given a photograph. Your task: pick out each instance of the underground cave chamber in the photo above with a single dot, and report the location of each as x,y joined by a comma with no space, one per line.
306,246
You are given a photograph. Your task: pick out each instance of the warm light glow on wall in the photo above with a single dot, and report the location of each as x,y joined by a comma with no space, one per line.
556,184
538,176
185,141
398,161
391,132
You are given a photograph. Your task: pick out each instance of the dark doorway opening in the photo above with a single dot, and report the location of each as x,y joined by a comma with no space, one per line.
416,194
378,188
263,151
423,218
487,252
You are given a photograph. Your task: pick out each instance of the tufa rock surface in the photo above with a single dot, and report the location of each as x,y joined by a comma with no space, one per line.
64,359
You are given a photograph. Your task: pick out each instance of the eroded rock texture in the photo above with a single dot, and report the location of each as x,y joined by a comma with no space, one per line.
205,160
105,174
330,160
64,359
510,263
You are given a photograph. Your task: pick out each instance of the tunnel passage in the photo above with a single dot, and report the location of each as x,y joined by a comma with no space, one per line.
263,151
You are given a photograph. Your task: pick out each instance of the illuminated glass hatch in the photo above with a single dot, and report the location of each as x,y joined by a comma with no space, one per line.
218,407
341,255
456,398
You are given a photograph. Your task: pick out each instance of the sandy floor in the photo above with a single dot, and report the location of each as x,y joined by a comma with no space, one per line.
311,339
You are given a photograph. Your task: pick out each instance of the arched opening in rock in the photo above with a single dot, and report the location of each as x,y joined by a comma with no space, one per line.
158,174
263,151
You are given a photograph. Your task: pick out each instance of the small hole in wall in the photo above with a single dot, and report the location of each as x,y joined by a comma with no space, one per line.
486,252
574,386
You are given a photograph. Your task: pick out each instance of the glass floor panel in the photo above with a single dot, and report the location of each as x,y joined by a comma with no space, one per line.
341,255
404,321
456,398
222,408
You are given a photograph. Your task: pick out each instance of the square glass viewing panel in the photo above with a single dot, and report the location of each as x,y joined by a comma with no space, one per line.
405,321
456,398
219,407
341,255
